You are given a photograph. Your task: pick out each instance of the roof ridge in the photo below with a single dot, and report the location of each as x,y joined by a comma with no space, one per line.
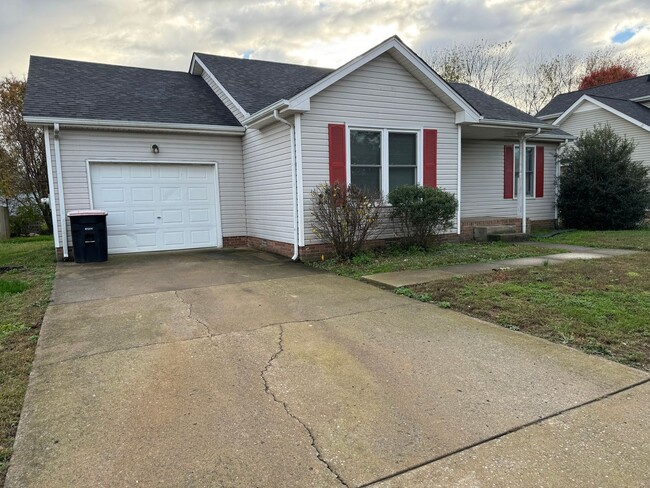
606,84
264,61
34,56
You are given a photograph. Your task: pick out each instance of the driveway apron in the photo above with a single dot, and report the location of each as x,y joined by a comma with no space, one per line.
241,369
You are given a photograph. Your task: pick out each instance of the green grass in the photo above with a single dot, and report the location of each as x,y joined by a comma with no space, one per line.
397,259
622,239
26,273
600,306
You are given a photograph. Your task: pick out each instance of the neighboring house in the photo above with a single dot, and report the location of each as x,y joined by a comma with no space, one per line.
228,154
624,105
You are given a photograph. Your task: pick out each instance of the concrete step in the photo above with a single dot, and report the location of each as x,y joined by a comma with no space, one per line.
508,237
481,232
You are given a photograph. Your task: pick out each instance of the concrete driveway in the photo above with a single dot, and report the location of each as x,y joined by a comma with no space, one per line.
240,369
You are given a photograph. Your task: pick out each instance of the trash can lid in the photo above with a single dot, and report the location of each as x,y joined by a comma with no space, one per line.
81,213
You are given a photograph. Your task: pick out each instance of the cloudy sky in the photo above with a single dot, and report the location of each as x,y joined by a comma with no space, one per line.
164,33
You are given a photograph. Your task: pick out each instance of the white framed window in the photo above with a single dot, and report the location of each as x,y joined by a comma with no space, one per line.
384,159
530,171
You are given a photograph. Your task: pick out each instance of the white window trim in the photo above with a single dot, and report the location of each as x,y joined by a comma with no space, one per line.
514,172
419,150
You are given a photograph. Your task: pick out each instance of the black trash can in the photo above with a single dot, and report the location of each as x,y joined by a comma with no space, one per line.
89,237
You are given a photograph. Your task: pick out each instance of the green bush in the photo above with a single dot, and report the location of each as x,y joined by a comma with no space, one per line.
27,220
601,187
422,212
345,217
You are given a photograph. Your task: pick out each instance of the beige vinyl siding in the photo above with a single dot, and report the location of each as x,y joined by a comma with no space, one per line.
222,96
482,183
267,172
383,94
585,120
77,146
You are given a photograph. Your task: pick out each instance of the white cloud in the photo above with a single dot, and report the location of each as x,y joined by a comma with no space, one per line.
164,33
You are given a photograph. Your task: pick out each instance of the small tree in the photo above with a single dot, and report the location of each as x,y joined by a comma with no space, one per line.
422,212
601,187
345,218
602,76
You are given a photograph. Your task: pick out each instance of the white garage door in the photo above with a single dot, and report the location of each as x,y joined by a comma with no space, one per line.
155,207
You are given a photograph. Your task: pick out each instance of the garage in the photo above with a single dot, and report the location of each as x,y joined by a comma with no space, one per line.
157,206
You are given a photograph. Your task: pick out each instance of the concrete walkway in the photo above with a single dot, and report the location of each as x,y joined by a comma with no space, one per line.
397,279
241,369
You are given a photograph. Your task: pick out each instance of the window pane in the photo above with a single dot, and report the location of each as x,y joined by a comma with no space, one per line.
366,177
365,148
530,158
401,149
400,176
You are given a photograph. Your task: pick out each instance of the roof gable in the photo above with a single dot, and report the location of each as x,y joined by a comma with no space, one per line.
630,89
63,89
632,112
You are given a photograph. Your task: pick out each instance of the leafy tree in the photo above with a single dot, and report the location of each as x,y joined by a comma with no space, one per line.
23,166
602,76
422,212
601,187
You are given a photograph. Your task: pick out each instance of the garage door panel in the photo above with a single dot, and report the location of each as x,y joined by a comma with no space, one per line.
156,206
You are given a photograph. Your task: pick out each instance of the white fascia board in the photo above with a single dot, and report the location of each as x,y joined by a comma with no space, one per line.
549,116
514,124
604,106
645,98
471,115
196,60
125,124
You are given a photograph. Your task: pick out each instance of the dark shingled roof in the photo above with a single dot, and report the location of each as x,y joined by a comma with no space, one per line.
80,90
633,109
257,84
633,88
491,107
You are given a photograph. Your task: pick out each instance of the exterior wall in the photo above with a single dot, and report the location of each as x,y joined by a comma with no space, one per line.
267,172
482,182
77,146
219,92
585,120
383,94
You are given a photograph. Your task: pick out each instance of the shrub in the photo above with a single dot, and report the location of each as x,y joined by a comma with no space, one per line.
601,187
345,217
27,220
422,212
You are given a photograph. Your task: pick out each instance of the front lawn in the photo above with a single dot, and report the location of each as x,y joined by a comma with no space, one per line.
600,306
622,239
396,259
26,273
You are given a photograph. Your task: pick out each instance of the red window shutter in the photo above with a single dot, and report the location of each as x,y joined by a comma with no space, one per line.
337,154
430,158
539,172
508,171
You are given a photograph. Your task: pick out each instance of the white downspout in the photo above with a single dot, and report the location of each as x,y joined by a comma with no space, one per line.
50,181
59,181
458,217
522,176
294,184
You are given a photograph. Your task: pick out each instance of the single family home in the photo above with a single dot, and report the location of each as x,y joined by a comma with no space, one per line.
227,154
624,106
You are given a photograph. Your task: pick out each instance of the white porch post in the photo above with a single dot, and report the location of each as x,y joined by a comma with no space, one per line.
458,217
522,182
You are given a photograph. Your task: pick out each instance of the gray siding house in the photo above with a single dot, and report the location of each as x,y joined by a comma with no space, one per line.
624,106
227,154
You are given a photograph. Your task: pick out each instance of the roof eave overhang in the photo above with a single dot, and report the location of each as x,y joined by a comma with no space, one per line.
548,116
134,125
513,124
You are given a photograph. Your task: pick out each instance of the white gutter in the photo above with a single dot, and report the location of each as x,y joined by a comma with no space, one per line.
50,181
522,176
296,232
126,124
59,181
